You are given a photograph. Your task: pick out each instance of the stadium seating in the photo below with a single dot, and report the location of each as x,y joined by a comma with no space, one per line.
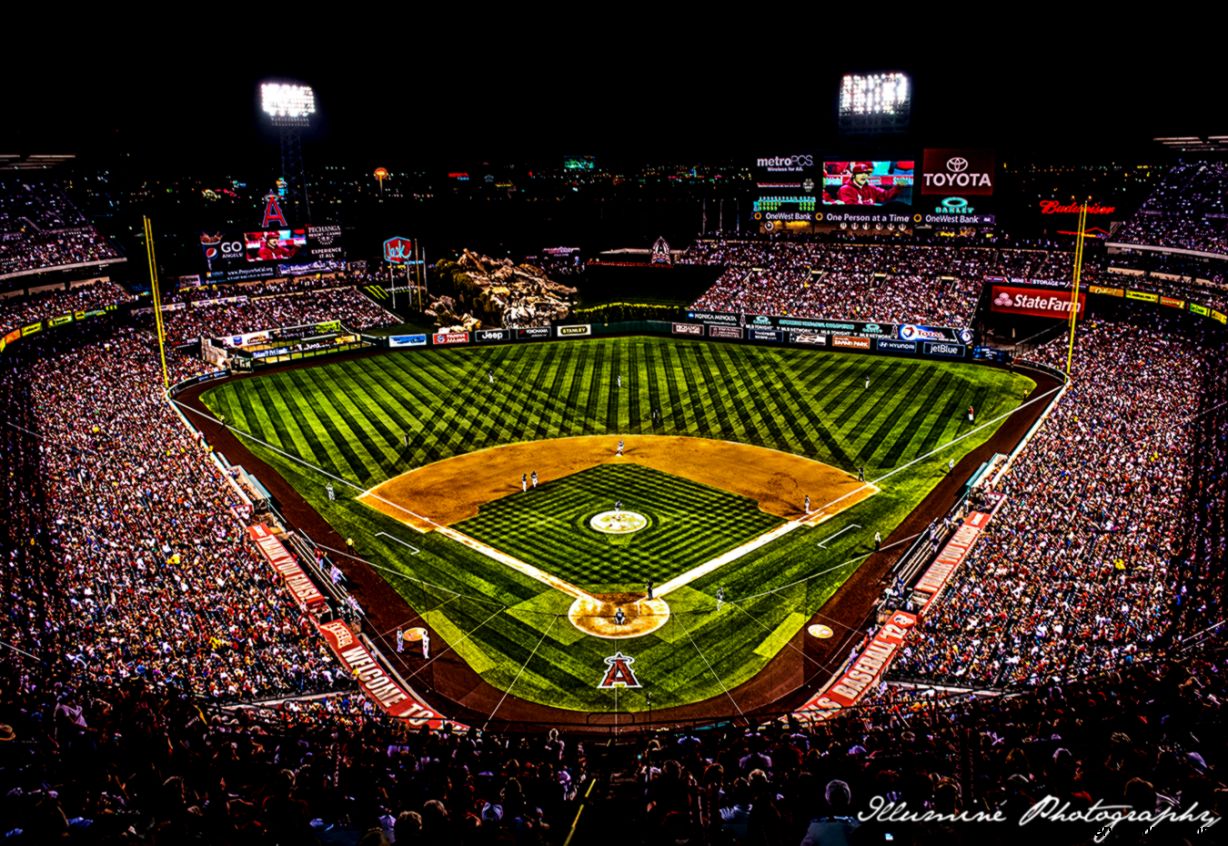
1187,210
896,283
40,228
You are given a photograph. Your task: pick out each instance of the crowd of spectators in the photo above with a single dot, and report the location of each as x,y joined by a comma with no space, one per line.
124,551
16,312
1091,562
354,310
133,764
1147,736
890,283
40,227
1187,210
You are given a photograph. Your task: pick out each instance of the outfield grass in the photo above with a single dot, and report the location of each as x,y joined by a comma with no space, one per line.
350,418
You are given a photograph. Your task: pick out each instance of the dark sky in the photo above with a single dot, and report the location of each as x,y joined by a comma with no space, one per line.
442,98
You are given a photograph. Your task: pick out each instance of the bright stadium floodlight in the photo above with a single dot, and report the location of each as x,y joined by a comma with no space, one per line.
287,103
875,101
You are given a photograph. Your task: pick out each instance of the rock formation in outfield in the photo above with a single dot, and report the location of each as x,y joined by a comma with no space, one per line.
492,292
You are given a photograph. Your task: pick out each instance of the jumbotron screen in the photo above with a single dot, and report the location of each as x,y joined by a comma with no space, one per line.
274,245
866,183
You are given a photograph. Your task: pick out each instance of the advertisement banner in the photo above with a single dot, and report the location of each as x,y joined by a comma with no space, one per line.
770,335
575,330
809,338
894,346
722,318
730,332
935,578
850,342
1143,296
449,338
696,329
1108,292
300,585
407,341
945,349
1172,302
822,325
967,173
31,328
846,689
913,332
1200,309
489,336
529,333
61,320
1009,299
1219,315
12,336
376,682
247,339
328,326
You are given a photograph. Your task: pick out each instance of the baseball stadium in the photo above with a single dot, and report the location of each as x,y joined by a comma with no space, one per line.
489,494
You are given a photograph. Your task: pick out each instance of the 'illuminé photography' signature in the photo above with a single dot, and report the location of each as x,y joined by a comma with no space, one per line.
1050,809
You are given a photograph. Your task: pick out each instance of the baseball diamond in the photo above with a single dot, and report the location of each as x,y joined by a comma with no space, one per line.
426,454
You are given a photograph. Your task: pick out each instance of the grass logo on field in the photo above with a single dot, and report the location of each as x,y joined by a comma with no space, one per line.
618,672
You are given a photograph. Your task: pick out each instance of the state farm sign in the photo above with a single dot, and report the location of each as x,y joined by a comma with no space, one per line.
963,172
1034,302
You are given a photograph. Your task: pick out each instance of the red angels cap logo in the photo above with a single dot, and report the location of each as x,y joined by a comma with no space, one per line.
618,672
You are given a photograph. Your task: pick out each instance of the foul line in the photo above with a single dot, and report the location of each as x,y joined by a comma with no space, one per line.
520,672
721,560
516,564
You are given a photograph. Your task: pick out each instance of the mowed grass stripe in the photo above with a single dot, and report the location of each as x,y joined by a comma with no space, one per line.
909,429
894,385
891,417
319,423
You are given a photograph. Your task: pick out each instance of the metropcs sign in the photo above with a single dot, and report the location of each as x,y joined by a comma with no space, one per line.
968,172
1033,302
785,164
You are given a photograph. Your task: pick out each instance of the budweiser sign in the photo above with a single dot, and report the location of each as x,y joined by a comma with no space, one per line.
1033,302
1054,207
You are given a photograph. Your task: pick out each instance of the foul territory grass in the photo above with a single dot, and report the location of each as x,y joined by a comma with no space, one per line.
350,419
688,524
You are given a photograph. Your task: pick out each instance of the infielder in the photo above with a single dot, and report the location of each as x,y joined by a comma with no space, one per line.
426,644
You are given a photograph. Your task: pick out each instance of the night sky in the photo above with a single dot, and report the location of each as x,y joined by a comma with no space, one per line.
431,101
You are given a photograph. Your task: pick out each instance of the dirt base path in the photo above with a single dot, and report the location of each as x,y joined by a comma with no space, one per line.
452,490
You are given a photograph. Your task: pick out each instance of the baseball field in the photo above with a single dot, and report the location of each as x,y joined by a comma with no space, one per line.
429,456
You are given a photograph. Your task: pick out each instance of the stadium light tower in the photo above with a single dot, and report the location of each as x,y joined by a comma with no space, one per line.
875,102
290,107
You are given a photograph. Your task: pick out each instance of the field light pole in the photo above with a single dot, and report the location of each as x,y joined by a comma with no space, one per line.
1078,271
157,298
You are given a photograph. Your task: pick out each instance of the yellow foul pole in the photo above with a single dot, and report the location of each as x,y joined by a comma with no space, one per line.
1074,293
157,300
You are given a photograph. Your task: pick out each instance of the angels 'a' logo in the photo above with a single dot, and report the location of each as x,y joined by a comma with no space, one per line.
272,212
618,672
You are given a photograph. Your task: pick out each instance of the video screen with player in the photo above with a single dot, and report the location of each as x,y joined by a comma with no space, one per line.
274,245
867,183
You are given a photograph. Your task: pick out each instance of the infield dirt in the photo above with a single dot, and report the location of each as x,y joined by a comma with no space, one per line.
452,490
